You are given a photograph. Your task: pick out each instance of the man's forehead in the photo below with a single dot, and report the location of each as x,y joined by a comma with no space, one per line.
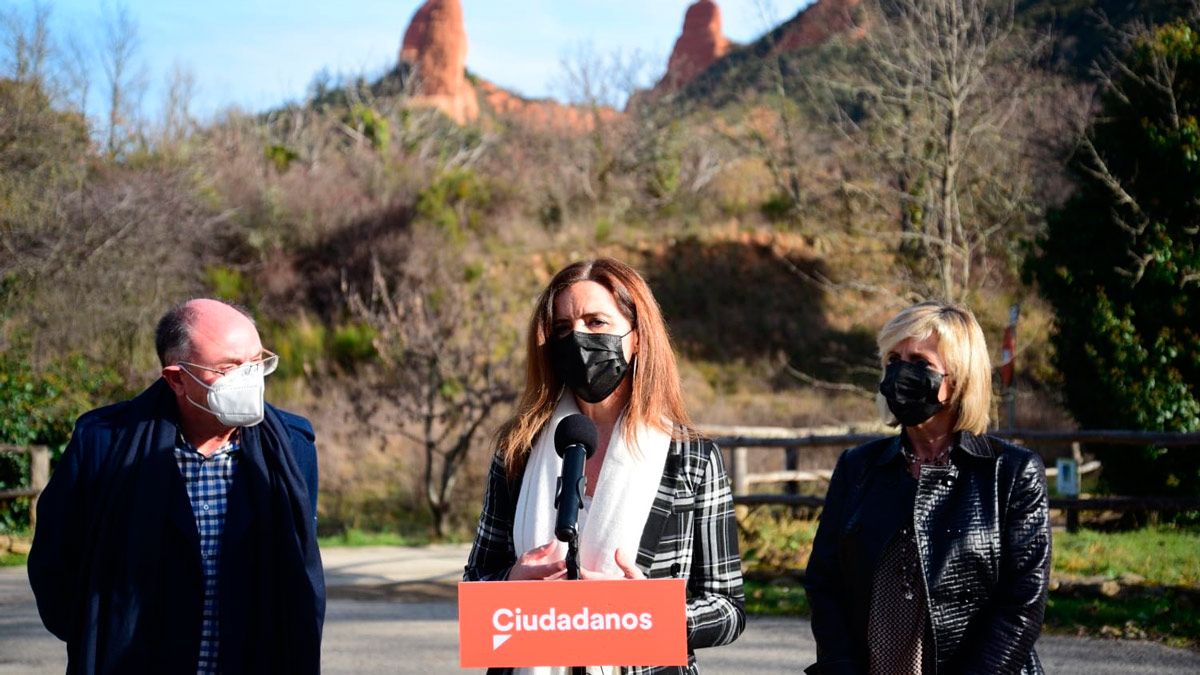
220,331
217,327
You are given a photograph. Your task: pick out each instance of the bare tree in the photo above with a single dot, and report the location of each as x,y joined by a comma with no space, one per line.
600,84
446,366
782,162
27,44
177,119
124,74
786,129
76,73
941,83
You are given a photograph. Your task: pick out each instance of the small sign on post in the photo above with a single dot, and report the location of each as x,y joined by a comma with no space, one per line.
1067,482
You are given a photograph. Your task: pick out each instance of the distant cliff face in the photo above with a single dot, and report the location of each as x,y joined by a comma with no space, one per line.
819,22
436,44
700,43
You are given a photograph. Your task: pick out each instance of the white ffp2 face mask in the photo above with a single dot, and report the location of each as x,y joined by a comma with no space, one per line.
236,398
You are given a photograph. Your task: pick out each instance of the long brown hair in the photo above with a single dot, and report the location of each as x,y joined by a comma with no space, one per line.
656,398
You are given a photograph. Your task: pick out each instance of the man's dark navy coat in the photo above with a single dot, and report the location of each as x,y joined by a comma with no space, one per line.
115,564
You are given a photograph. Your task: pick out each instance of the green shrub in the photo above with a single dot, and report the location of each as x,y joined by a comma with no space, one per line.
306,346
373,126
604,230
280,156
778,207
352,343
550,214
773,540
473,272
455,202
39,407
663,166
228,284
300,344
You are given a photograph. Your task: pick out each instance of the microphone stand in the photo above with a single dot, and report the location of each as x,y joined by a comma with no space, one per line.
573,558
573,539
574,443
573,575
573,552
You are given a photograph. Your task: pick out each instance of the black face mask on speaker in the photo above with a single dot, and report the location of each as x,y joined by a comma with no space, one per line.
911,391
591,364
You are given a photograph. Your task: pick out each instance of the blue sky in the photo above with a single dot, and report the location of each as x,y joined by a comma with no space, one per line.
258,53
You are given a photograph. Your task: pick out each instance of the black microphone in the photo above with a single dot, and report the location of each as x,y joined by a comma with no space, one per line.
575,441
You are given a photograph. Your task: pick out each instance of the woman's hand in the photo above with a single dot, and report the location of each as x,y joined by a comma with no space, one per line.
538,563
629,569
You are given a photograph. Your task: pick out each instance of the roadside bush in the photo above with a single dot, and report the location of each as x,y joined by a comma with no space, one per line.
39,407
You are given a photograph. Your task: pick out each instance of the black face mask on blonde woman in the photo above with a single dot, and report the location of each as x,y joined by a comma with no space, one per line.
911,391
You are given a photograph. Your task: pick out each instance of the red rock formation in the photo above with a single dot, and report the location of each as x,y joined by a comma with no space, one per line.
819,22
700,43
436,44
544,114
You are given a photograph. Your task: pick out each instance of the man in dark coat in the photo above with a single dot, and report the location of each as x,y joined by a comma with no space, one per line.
178,533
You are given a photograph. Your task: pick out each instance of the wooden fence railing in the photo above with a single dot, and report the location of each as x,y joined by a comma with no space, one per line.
39,475
739,441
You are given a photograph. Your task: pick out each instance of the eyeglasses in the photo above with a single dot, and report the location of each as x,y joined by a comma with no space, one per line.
267,360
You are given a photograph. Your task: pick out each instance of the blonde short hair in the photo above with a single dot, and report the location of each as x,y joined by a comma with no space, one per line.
963,350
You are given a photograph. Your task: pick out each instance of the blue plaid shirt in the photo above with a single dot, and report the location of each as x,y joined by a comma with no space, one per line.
208,480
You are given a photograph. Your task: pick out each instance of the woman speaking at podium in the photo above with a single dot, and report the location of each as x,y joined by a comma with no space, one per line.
657,502
933,551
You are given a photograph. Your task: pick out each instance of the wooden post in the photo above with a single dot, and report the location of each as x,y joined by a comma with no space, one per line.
1073,514
791,461
39,476
740,472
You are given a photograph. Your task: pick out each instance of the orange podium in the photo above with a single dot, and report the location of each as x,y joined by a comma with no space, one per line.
512,624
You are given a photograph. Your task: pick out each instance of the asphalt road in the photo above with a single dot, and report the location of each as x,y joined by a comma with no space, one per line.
381,620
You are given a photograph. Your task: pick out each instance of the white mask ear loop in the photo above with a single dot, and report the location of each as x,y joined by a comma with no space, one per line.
202,384
633,358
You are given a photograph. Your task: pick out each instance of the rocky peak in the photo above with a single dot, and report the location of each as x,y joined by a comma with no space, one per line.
700,43
436,45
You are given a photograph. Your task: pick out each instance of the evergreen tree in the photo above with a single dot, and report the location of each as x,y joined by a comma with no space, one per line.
1120,262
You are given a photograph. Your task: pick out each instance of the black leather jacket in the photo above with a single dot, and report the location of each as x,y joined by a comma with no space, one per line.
983,536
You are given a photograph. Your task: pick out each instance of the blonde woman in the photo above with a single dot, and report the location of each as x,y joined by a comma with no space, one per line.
657,502
933,550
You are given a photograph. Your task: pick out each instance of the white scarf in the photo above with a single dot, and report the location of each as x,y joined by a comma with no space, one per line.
625,491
